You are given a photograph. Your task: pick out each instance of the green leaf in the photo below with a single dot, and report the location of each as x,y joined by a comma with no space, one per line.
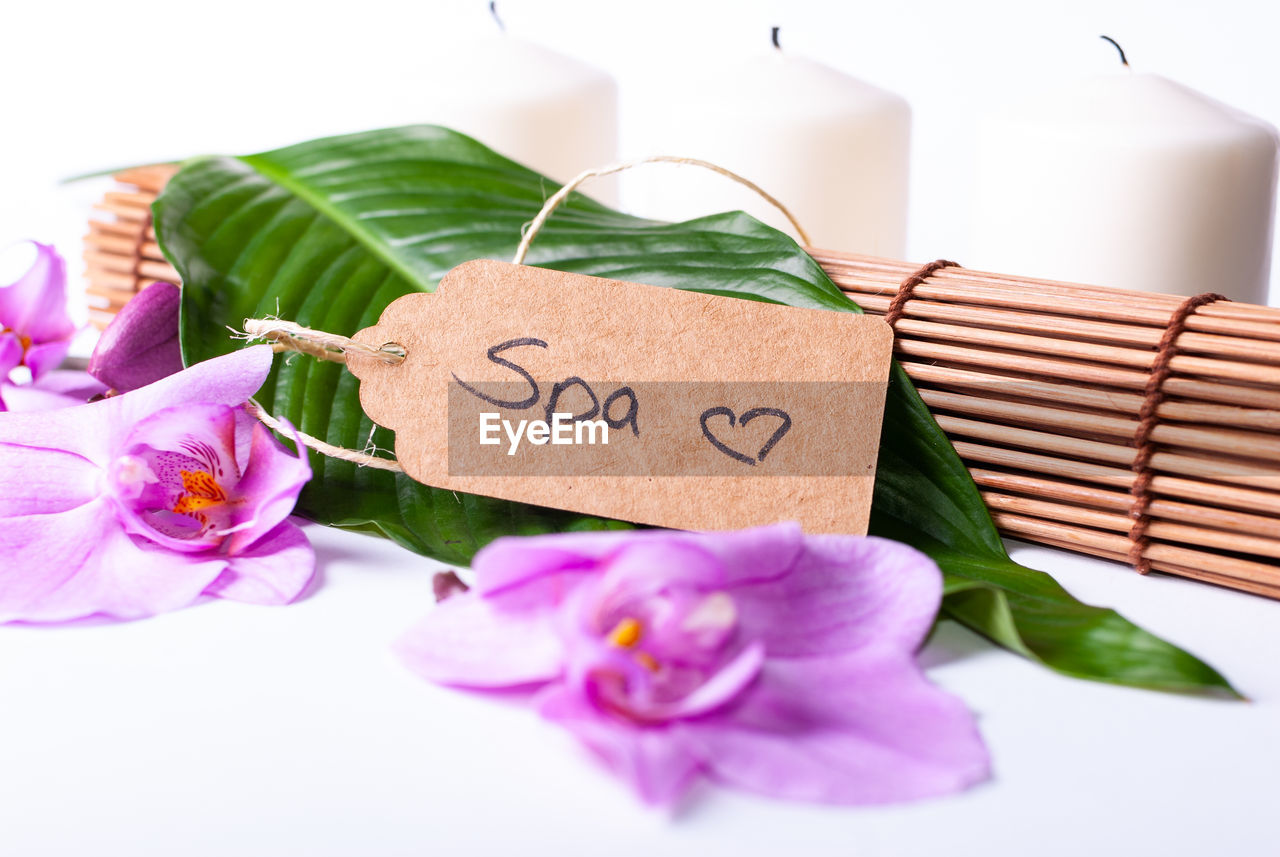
328,233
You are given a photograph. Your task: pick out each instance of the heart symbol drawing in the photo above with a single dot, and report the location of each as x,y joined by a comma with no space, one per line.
746,418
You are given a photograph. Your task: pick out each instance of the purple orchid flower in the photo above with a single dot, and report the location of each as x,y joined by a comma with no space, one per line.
140,345
762,659
35,329
149,501
36,332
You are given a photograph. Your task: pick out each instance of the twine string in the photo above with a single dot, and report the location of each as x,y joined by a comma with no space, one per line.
562,194
1153,396
363,459
288,336
907,289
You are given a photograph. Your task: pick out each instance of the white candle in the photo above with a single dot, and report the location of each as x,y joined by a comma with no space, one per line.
833,149
1128,180
548,111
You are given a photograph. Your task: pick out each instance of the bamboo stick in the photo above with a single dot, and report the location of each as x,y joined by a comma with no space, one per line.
123,212
110,242
840,264
1245,472
1088,372
1221,564
126,228
1197,574
1080,300
1262,500
113,280
1087,424
1077,329
1158,529
1255,406
1239,348
1116,501
157,270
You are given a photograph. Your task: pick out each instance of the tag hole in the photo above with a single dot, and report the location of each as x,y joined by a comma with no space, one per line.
394,351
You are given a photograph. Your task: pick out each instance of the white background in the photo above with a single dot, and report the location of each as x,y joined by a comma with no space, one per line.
236,730
92,85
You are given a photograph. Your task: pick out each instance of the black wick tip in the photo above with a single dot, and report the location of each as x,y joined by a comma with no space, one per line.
493,10
1123,59
773,37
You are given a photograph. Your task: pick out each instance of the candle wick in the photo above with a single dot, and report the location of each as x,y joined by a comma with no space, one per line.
773,37
1123,59
493,10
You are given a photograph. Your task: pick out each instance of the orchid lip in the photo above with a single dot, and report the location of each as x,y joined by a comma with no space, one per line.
666,653
180,490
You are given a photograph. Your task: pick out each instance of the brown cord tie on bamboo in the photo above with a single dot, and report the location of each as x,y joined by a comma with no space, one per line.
1153,395
907,289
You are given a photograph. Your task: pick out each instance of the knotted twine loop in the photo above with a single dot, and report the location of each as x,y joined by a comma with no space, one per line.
288,336
535,226
907,289
1153,396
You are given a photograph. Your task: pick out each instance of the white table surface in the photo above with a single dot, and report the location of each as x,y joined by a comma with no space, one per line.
231,729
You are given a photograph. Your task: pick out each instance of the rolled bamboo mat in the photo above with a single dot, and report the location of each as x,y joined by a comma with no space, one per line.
1043,388
1087,422
120,251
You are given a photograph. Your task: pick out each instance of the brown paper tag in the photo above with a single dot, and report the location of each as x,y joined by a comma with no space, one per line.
678,409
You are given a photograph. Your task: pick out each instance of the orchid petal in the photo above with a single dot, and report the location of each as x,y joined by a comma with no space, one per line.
28,398
843,593
36,304
629,572
655,761
71,382
863,728
42,358
52,481
52,391
270,483
98,429
759,553
80,563
512,561
274,570
44,552
11,353
726,684
140,345
471,641
231,379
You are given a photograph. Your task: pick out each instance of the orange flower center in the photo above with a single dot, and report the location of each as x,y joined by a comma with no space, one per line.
199,492
626,635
